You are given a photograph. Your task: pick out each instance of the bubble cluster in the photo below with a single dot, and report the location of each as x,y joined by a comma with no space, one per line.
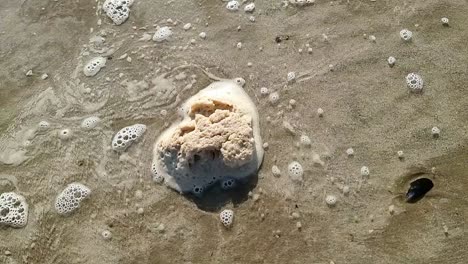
126,136
13,210
70,198
264,91
331,200
295,171
414,82
274,98
320,112
106,235
302,2
400,154
406,35
391,61
228,183
305,140
275,171
158,178
43,125
90,122
445,21
233,5
365,171
227,217
350,152
162,34
291,77
94,66
117,10
249,8
435,132
197,190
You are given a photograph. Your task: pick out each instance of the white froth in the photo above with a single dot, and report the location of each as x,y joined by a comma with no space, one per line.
126,136
162,34
414,82
13,210
94,66
295,171
182,171
90,122
70,198
117,10
406,35
227,217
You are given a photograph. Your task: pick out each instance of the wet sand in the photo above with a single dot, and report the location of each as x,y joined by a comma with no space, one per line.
366,104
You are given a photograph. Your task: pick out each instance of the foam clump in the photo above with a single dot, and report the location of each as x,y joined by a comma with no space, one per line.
43,125
295,171
414,82
331,200
227,217
445,21
13,210
305,140
406,35
365,171
435,131
70,198
391,61
302,2
291,77
249,8
162,34
117,10
155,175
94,66
126,136
276,171
273,98
232,5
90,122
218,139
264,91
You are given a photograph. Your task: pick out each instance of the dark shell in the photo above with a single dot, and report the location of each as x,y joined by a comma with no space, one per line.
418,189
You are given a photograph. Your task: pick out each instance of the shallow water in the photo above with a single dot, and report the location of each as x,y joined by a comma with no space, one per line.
366,104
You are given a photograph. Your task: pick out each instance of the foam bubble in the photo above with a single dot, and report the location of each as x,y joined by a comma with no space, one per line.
117,10
162,34
13,210
365,171
295,171
217,139
94,66
227,217
127,135
406,35
70,198
414,82
232,5
331,200
249,8
90,122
